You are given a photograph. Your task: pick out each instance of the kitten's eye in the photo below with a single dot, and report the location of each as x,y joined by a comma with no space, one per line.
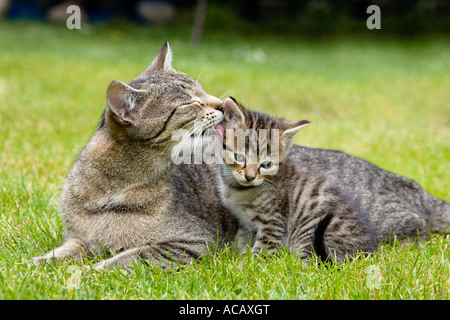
239,157
266,164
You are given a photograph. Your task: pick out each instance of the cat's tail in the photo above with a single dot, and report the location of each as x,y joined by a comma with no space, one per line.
438,212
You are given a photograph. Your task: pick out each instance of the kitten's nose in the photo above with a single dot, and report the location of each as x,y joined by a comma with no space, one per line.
249,177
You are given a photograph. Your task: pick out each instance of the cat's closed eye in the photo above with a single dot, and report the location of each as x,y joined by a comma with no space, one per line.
189,104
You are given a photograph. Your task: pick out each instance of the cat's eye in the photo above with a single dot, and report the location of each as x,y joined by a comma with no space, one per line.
189,104
266,164
239,157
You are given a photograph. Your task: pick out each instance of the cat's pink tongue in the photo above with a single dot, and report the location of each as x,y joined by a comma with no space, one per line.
219,130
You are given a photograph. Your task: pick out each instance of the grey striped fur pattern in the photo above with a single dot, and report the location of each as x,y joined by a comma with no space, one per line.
120,196
280,203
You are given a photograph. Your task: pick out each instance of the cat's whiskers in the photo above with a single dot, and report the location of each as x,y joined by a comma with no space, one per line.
191,140
272,185
177,148
197,135
180,142
192,136
229,178
212,133
201,72
228,93
267,187
189,123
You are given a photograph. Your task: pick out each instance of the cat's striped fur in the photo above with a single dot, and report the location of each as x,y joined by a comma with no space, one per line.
120,195
125,195
283,204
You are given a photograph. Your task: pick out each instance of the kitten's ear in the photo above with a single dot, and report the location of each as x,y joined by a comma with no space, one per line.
121,101
232,112
288,136
162,61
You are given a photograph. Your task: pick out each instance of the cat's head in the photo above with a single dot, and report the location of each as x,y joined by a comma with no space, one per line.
157,102
254,144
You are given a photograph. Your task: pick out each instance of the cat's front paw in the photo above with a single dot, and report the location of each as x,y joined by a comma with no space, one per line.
264,248
107,266
37,261
72,248
123,262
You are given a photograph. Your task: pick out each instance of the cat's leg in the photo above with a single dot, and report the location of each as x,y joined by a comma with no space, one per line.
343,236
242,239
269,239
124,259
267,246
72,248
409,225
168,254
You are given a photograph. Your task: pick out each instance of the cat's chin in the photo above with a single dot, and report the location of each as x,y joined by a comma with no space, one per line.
251,184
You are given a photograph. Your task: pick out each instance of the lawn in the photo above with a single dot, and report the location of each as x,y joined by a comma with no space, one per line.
380,98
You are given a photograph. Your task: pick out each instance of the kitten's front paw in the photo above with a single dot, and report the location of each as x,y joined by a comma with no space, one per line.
267,248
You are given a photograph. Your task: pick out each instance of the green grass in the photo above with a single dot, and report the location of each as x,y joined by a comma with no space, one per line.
382,99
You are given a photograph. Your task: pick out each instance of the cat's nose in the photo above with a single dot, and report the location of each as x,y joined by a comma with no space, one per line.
249,177
213,102
220,107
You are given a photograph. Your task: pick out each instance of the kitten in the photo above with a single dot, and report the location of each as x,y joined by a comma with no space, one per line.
284,204
120,195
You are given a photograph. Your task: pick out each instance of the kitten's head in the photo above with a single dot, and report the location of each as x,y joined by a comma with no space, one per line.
255,144
157,102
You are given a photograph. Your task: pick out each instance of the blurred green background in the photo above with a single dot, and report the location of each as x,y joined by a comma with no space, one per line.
379,94
382,95
296,17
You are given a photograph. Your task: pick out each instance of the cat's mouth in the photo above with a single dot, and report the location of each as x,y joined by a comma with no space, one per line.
207,132
219,129
250,184
241,185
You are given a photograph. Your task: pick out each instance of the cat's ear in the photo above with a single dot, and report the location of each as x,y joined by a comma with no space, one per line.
121,101
162,61
288,135
232,112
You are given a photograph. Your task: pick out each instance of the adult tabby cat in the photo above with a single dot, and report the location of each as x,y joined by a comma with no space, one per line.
283,203
119,195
